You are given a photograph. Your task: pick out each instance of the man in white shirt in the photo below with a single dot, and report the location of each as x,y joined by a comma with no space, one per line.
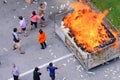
15,72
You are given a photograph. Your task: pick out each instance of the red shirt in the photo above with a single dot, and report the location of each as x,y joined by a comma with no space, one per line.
34,18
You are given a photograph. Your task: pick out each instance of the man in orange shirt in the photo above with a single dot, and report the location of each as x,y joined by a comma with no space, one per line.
42,39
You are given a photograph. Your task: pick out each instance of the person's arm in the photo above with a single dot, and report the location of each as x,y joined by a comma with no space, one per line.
16,36
39,37
40,73
43,8
60,66
40,16
20,24
47,69
18,72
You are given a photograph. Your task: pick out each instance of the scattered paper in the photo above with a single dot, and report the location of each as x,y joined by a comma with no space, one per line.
81,76
74,60
78,67
71,58
23,8
18,2
106,75
52,6
14,17
50,12
45,3
50,50
61,6
64,64
5,49
52,54
91,73
55,56
110,8
64,78
68,3
60,11
40,58
68,60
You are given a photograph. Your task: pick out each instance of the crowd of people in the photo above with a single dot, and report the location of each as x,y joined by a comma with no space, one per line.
36,72
34,18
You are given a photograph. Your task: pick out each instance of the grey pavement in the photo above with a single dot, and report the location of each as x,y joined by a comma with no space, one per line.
34,56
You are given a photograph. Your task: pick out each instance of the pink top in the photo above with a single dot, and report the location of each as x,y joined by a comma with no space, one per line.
34,18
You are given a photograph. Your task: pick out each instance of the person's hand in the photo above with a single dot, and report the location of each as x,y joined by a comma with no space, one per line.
61,66
20,38
42,15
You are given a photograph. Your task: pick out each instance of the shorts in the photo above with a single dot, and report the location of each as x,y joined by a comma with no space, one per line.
24,29
42,18
35,24
17,44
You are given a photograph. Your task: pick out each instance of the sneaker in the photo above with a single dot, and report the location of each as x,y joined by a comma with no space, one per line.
42,48
42,25
25,35
14,48
22,53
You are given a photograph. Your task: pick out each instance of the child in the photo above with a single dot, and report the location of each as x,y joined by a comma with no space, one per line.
41,9
22,26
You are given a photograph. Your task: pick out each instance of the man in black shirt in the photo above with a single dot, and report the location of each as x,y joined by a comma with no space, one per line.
36,74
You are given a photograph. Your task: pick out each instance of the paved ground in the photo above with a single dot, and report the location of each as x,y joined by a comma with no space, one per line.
56,51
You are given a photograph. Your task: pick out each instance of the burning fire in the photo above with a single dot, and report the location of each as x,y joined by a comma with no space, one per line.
87,28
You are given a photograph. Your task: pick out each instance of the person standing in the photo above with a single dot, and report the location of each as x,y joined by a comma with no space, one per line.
42,39
41,9
34,18
36,74
52,69
23,25
16,41
15,72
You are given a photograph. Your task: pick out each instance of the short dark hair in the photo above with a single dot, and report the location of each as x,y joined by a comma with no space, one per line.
40,31
36,69
34,13
41,4
14,29
20,17
51,64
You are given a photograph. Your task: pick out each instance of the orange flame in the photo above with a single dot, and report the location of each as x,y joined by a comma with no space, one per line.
86,26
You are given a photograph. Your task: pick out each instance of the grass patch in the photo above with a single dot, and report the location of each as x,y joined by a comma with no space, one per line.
114,10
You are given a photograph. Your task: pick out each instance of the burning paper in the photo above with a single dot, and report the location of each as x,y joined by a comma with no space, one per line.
86,26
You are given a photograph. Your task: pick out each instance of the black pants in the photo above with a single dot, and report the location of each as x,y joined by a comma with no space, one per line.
34,23
15,77
52,77
43,45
